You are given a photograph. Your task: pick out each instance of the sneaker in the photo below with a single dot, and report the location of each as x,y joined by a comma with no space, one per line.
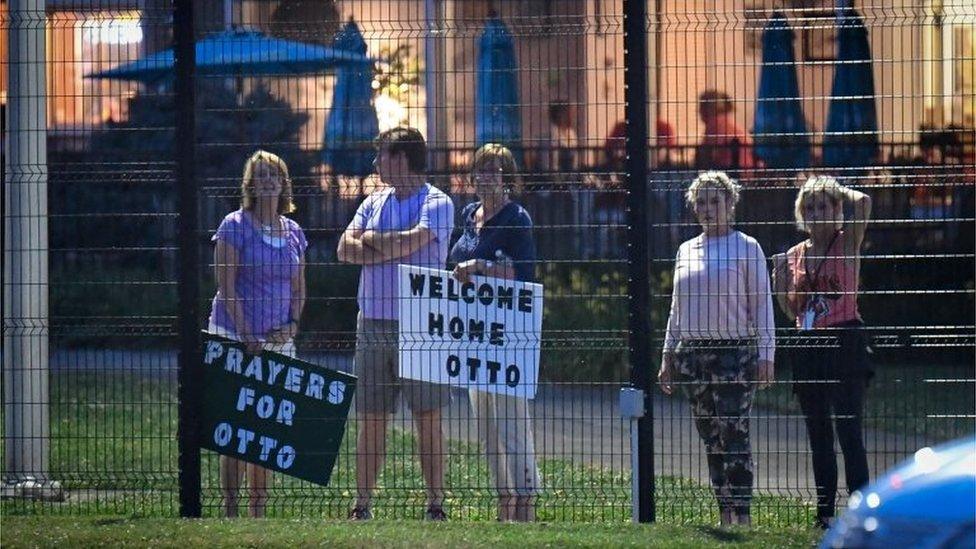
435,513
360,513
742,518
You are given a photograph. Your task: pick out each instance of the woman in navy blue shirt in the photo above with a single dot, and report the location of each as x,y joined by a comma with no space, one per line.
497,241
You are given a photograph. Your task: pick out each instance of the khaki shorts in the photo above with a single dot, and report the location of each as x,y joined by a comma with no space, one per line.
378,369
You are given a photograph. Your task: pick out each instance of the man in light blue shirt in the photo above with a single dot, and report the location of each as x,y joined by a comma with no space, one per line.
409,222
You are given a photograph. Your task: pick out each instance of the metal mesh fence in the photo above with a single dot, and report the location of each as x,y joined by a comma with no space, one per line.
878,96
774,95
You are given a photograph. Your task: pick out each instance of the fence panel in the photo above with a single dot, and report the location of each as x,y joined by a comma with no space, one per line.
99,276
774,95
545,79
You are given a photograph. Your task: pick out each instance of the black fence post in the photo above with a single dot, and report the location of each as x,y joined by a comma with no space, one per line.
638,258
188,285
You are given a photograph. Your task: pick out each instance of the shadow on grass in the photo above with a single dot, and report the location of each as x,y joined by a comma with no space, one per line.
110,521
722,534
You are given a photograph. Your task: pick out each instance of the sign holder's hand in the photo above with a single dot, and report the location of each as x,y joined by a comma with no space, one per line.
252,344
283,334
466,269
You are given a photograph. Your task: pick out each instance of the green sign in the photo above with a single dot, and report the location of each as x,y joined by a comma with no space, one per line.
272,410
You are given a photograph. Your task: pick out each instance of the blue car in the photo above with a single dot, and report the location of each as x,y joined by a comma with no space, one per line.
928,501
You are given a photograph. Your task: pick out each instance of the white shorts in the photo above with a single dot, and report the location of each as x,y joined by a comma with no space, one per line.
287,348
505,429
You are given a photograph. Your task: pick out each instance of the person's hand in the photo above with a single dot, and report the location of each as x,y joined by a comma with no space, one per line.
765,374
252,344
283,333
664,376
369,237
466,269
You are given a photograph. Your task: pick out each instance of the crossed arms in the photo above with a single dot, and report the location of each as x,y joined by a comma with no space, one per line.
369,247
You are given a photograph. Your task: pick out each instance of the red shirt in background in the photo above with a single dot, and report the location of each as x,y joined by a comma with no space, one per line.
717,150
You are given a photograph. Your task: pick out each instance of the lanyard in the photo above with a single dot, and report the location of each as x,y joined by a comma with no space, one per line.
816,274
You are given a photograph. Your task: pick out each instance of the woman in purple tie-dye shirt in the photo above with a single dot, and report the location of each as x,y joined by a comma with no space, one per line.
259,260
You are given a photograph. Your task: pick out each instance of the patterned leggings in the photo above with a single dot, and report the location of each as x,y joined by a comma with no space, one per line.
717,383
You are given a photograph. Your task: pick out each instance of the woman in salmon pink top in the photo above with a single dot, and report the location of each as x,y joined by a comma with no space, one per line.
816,284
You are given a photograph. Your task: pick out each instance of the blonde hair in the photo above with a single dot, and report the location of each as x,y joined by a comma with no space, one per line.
825,184
286,203
716,180
495,153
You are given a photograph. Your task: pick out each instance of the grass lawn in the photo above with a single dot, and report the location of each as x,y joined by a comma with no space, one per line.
114,448
121,532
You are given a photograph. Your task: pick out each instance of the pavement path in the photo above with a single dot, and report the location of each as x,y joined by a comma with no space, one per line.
581,423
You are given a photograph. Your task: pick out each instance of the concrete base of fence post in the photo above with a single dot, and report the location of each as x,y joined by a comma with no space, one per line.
632,409
32,488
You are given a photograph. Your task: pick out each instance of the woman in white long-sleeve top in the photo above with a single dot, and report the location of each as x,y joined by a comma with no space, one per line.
720,338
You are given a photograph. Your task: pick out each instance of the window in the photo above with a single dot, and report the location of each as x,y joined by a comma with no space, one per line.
83,42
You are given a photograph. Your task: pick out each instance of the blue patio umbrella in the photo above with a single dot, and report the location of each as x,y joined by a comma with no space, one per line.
780,129
352,123
497,117
238,54
851,138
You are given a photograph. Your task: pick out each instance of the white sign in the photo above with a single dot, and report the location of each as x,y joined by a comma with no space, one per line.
483,334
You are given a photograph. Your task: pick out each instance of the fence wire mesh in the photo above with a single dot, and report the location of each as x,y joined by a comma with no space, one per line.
878,97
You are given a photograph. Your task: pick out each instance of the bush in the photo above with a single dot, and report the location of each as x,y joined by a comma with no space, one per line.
113,207
586,322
